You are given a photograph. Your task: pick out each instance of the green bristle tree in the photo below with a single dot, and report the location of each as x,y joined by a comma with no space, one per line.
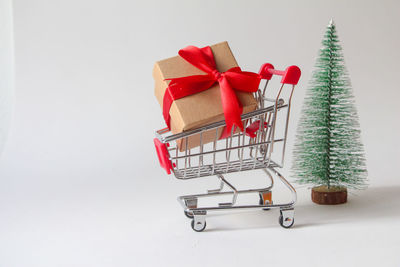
328,150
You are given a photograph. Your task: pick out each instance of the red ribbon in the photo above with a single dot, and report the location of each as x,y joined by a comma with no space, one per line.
233,79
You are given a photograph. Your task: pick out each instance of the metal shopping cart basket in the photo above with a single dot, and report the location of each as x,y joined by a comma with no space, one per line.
260,146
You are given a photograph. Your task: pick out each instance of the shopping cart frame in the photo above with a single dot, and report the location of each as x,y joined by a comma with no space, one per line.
255,149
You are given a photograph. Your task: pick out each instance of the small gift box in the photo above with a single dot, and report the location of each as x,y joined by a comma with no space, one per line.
202,86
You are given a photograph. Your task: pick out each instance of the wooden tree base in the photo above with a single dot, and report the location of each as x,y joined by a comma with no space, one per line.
332,196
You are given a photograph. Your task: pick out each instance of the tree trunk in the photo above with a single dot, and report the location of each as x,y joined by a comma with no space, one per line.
329,196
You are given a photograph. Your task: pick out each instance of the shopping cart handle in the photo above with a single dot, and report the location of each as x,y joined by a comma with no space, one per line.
289,76
162,153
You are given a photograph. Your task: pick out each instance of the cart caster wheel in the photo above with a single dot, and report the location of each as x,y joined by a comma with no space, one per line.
188,214
199,226
261,202
287,223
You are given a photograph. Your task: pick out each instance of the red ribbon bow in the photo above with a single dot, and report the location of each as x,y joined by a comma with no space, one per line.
233,79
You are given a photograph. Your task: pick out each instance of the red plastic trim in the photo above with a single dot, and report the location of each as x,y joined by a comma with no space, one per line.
264,71
292,75
289,76
253,128
163,155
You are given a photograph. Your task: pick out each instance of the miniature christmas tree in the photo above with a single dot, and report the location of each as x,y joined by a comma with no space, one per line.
328,151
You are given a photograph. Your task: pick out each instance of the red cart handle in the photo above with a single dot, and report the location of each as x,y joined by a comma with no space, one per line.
162,153
289,76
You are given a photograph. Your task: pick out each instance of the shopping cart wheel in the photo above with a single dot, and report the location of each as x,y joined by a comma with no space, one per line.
199,220
198,226
285,224
286,218
188,214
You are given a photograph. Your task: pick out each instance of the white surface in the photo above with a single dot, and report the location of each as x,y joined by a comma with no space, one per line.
6,70
79,180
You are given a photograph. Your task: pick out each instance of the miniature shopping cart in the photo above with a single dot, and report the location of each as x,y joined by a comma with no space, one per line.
260,146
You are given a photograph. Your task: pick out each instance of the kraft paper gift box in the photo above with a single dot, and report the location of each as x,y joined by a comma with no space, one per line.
202,108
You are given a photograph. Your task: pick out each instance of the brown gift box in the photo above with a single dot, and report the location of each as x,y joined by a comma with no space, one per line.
202,108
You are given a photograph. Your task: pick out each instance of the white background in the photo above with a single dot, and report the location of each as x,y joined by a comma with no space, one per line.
80,184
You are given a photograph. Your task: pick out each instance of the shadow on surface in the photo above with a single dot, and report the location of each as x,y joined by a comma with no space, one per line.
371,204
